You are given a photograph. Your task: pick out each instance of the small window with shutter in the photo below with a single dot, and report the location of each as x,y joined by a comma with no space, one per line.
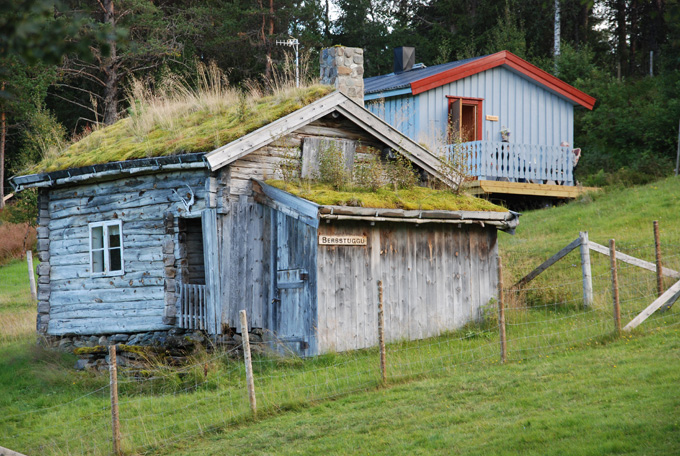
465,119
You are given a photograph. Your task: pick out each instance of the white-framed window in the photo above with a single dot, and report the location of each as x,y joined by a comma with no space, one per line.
106,248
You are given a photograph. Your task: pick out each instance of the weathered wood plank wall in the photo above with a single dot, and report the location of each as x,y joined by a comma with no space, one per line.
244,262
137,300
435,278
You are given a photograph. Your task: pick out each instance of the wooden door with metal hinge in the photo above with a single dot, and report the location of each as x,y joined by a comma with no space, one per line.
289,315
290,308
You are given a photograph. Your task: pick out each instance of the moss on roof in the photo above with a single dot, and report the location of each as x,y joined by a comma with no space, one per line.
182,131
416,198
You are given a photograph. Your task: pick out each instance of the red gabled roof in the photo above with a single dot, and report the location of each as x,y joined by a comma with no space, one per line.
512,61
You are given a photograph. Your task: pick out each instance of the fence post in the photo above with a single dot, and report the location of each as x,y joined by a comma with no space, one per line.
249,362
615,286
659,271
31,275
501,311
585,268
113,383
381,333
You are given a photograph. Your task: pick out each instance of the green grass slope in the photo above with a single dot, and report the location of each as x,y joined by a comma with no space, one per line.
625,215
616,399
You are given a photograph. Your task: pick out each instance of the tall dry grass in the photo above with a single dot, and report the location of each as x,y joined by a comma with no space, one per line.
175,96
169,103
14,240
17,325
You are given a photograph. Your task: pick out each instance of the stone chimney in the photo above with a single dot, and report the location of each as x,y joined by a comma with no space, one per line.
343,67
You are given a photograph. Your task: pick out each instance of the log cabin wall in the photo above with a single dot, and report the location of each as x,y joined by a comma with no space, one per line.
143,297
435,278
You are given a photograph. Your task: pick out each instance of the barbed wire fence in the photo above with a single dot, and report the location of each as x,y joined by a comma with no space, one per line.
160,406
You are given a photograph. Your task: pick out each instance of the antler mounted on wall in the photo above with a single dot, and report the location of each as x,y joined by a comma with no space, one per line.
187,204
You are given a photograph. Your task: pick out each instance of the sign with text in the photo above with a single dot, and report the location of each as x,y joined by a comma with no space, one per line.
341,239
492,118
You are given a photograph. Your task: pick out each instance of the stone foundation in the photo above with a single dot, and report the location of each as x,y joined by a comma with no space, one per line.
135,350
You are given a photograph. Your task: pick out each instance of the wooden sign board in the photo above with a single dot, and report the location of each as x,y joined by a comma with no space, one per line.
492,118
341,239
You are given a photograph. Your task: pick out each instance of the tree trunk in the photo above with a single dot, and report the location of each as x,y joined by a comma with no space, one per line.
634,36
110,70
621,33
557,30
3,138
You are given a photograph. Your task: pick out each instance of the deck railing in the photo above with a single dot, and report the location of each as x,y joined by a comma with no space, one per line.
491,160
192,309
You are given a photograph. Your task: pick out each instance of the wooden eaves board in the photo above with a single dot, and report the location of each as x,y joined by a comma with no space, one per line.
480,187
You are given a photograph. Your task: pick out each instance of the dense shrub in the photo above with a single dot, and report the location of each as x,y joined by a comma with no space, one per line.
631,135
15,239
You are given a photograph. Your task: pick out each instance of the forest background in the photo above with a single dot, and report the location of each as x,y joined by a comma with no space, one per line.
65,65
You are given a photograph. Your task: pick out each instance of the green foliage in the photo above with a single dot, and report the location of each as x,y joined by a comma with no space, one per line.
400,174
332,166
43,136
23,208
31,32
290,165
508,35
633,127
369,172
372,172
416,198
575,66
453,166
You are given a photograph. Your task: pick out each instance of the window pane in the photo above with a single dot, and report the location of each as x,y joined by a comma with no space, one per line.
114,236
97,260
98,237
114,259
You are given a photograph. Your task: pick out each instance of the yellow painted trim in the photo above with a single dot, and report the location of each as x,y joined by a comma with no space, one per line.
516,188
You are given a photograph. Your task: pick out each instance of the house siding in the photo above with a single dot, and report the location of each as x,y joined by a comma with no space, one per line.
533,114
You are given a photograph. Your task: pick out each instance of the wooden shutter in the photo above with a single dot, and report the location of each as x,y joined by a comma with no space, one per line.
455,114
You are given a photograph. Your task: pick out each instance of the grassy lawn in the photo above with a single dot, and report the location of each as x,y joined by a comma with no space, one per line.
17,311
570,387
623,214
619,398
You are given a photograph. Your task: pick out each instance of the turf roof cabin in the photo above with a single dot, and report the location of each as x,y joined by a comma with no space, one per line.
514,120
186,241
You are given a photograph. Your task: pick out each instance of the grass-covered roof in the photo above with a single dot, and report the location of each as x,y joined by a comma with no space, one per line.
415,198
181,120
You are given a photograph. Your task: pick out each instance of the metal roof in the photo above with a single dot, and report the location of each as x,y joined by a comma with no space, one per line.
394,81
85,173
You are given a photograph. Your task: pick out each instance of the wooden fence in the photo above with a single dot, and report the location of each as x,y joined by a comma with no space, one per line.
192,310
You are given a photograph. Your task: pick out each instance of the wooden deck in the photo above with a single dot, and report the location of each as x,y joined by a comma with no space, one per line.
487,187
